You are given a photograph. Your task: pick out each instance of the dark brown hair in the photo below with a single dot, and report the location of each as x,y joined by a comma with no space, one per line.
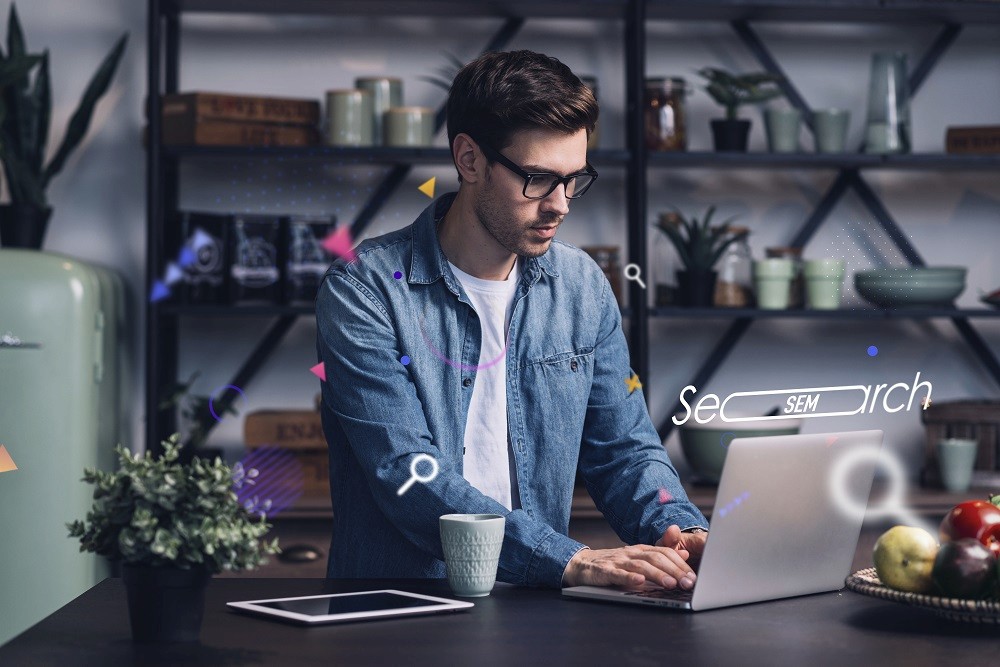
503,92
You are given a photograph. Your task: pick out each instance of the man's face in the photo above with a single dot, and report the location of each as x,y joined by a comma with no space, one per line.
525,226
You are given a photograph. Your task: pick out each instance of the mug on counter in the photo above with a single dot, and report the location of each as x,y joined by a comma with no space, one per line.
409,126
349,118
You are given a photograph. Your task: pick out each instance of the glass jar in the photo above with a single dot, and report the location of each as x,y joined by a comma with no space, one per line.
606,257
797,290
664,115
734,286
666,263
591,82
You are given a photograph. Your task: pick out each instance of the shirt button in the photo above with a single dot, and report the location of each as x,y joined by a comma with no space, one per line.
572,365
466,382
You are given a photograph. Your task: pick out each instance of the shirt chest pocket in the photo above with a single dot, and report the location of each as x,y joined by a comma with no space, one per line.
558,386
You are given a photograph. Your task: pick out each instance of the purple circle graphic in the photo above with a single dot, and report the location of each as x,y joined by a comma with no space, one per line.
270,481
458,365
397,275
211,408
405,360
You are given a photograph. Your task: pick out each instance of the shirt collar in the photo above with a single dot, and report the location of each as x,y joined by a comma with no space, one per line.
428,262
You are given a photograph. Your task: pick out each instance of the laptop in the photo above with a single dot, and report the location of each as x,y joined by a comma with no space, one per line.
777,529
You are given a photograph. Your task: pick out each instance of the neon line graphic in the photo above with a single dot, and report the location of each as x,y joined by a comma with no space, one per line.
460,366
794,392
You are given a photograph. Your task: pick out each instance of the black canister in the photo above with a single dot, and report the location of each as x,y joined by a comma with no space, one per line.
255,275
204,257
308,260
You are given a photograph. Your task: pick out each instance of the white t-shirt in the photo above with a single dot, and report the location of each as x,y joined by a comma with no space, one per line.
488,463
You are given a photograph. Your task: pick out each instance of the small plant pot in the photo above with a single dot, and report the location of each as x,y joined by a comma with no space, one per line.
696,288
165,604
23,226
730,135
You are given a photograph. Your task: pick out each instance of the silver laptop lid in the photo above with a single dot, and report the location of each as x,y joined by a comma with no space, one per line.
776,529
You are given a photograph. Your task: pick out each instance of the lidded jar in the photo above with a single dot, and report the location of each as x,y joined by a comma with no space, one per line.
665,125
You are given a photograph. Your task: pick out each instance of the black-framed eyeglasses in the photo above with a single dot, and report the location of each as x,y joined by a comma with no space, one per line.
539,185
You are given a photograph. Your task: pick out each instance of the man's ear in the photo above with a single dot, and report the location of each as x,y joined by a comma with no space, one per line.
468,158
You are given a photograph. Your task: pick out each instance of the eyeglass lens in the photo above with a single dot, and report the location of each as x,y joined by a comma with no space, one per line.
540,186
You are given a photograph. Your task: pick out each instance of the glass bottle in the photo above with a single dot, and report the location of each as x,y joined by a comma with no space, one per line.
664,114
606,257
666,263
734,286
796,293
888,128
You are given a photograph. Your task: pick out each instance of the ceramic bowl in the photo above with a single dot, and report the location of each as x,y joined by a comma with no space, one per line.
917,286
705,445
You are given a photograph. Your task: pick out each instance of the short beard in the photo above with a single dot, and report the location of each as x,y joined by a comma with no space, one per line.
505,231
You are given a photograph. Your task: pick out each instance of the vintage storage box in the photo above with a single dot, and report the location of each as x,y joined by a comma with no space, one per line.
300,432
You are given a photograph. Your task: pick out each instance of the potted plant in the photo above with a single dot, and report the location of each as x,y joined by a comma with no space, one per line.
172,527
25,113
699,247
731,91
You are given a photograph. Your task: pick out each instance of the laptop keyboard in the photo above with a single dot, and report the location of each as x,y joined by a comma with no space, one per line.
664,594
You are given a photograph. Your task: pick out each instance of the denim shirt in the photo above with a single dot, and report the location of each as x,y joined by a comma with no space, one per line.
568,408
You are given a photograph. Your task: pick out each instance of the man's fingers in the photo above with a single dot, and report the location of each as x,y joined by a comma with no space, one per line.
671,568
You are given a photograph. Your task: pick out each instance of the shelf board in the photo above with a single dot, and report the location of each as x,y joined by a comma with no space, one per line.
805,313
913,161
589,9
352,155
250,310
833,11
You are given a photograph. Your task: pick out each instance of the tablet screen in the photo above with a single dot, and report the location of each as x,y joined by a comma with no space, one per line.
347,604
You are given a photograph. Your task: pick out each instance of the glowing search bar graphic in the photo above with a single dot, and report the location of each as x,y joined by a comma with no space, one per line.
800,403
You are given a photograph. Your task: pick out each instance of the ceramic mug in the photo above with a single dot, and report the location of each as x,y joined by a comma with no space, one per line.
471,545
409,126
957,458
783,127
386,93
830,126
824,281
773,279
349,118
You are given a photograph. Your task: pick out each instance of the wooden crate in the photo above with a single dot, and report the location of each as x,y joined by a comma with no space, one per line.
300,432
975,419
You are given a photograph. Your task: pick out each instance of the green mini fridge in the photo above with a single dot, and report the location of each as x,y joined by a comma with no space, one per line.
61,365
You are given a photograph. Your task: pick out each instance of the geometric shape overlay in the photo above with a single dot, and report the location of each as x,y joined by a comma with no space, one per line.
278,483
427,187
6,462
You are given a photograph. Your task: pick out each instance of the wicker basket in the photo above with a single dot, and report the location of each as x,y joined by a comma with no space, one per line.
978,420
866,582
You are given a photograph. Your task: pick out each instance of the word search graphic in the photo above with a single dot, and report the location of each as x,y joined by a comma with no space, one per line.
6,462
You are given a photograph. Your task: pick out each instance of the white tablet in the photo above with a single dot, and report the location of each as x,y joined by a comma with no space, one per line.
347,607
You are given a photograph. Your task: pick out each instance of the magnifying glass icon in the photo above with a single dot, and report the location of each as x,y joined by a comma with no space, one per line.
633,272
417,477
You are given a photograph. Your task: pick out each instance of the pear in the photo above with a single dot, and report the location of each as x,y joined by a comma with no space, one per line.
904,559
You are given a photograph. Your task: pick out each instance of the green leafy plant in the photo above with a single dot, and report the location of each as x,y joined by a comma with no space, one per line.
154,511
26,113
446,73
698,244
734,90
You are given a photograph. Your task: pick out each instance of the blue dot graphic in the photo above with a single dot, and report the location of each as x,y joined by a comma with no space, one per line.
405,360
872,351
397,275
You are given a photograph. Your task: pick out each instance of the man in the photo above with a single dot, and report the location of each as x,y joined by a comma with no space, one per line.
472,337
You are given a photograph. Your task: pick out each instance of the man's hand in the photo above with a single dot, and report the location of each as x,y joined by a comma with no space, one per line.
630,566
691,545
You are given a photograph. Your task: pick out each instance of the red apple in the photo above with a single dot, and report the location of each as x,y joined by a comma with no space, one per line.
976,519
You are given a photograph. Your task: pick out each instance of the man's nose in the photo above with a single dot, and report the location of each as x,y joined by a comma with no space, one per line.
557,202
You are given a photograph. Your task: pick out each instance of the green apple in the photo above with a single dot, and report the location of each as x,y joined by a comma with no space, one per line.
904,559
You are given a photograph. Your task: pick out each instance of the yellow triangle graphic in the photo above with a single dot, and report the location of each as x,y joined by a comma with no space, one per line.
428,187
6,463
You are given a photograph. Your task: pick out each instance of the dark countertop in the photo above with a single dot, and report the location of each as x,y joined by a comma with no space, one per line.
514,626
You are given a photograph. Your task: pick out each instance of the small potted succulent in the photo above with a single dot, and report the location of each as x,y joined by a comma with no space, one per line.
699,246
732,91
172,527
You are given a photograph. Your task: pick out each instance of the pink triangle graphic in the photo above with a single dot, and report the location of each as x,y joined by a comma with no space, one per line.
339,243
664,496
319,370
830,440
